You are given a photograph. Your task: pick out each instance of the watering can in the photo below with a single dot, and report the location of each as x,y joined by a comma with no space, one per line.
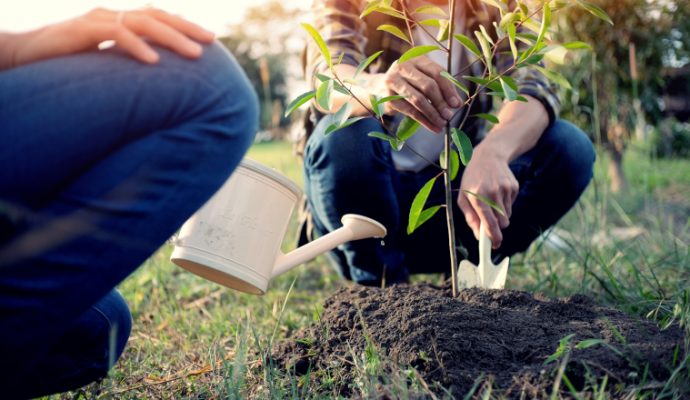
235,238
486,274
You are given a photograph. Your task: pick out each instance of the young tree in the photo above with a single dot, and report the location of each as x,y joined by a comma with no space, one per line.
522,32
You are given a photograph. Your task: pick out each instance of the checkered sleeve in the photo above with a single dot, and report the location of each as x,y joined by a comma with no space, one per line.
339,24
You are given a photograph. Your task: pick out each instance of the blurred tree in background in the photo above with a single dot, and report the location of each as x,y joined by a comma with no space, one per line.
622,85
266,47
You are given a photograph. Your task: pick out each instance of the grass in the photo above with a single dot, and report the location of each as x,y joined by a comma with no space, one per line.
194,339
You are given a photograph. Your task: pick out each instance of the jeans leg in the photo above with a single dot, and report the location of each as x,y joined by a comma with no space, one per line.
85,353
349,172
104,159
552,177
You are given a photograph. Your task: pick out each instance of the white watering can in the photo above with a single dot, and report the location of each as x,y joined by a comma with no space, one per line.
235,238
486,274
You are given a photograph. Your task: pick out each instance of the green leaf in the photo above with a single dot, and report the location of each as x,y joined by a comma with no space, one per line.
418,205
486,201
350,121
523,8
454,163
352,81
339,118
416,52
545,22
511,94
320,43
378,103
563,345
376,106
433,22
512,32
492,84
531,24
323,94
496,4
382,8
468,43
370,8
511,82
555,77
426,215
322,77
406,129
395,31
485,34
584,344
380,135
340,88
396,144
390,98
500,33
595,10
463,143
443,31
299,101
577,45
489,117
508,19
455,82
364,64
534,59
527,38
486,48
430,10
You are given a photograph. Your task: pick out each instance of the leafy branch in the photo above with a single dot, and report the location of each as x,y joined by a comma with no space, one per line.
499,84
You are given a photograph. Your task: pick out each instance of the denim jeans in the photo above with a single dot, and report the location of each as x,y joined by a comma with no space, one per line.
103,159
350,172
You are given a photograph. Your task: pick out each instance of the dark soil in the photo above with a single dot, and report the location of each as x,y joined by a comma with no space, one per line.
503,336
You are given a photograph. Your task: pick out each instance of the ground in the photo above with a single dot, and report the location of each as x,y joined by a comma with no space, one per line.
194,339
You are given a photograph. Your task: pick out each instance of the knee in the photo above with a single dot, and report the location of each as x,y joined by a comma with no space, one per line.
572,153
214,93
237,105
348,150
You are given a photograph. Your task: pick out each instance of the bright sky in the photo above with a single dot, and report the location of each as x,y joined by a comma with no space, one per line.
19,15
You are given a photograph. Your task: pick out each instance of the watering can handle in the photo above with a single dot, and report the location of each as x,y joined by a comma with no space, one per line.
354,227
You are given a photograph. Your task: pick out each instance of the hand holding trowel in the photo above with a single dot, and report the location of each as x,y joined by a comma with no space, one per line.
486,274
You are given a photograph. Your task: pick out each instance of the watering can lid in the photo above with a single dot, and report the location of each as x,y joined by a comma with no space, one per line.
271,173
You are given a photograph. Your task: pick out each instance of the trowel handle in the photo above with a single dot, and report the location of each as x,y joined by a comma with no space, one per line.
484,244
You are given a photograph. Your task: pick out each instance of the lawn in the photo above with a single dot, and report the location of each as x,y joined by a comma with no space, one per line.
194,339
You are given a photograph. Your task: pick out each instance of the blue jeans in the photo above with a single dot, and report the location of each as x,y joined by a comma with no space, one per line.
350,172
103,159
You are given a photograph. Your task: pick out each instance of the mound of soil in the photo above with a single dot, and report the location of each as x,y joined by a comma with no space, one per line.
505,336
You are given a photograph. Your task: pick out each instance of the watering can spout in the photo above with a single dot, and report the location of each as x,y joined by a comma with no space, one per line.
354,227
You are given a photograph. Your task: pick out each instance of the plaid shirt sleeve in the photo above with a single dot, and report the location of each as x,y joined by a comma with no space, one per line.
339,24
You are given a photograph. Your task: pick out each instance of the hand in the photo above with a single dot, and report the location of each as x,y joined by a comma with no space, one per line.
488,175
127,29
429,97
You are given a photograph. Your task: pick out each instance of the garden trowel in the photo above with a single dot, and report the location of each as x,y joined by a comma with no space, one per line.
486,274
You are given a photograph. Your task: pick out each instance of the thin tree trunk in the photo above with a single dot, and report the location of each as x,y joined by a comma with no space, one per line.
616,175
615,148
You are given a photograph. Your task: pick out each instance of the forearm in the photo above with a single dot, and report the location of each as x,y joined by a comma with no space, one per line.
12,44
520,127
7,46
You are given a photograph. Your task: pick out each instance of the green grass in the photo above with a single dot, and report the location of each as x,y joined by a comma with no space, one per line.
195,339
